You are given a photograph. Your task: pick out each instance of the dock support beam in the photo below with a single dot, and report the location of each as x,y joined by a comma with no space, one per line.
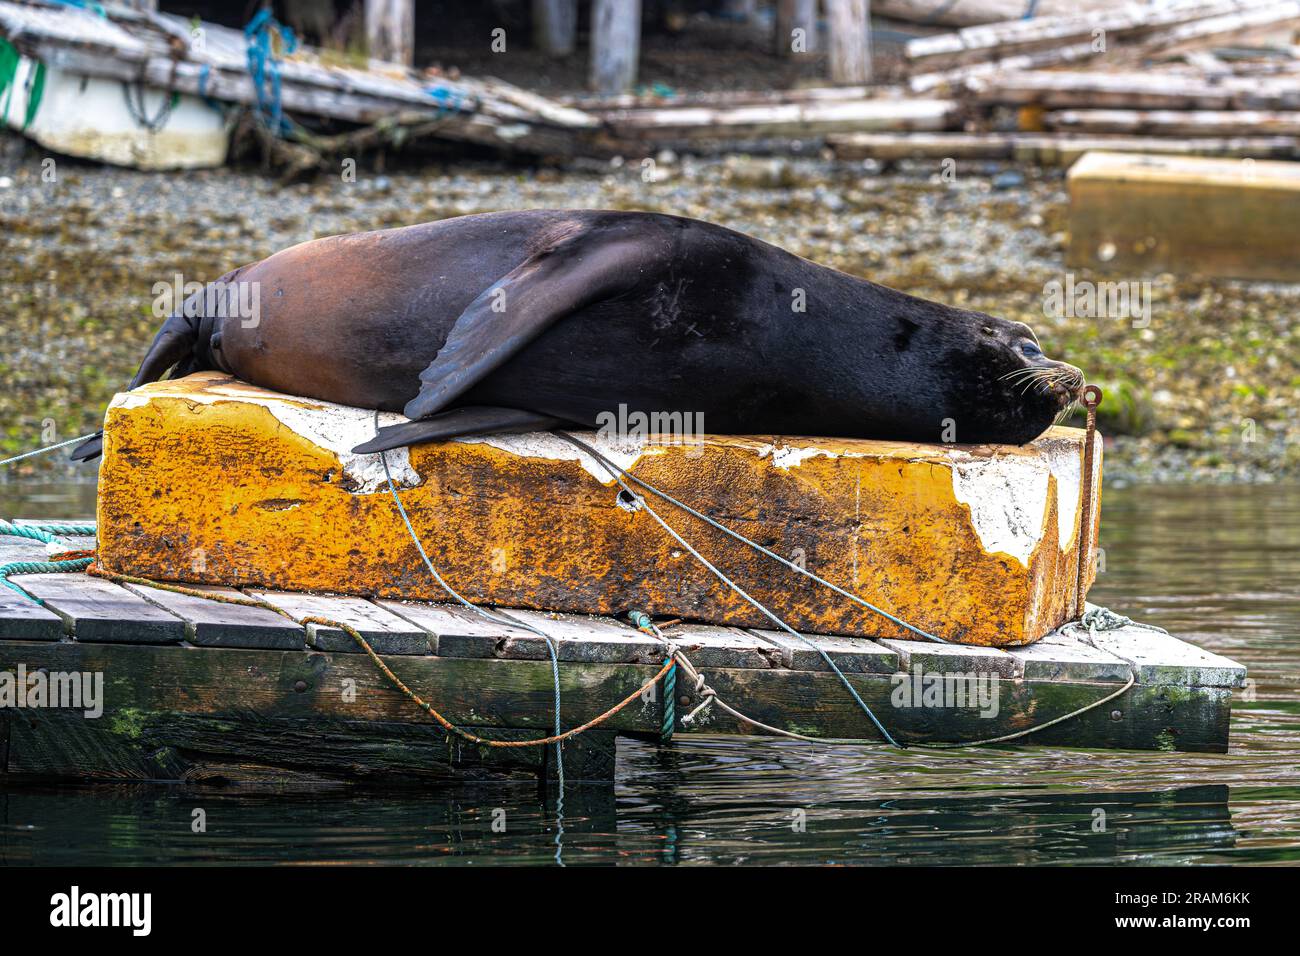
615,44
555,25
390,30
792,15
850,41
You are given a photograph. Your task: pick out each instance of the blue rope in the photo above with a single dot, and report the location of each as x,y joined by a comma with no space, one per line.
264,67
44,533
641,621
203,90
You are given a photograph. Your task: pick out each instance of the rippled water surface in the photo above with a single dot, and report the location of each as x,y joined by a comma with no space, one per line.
1219,566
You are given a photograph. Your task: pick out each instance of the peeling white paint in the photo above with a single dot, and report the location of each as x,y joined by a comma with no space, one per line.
1007,495
335,428
624,452
786,457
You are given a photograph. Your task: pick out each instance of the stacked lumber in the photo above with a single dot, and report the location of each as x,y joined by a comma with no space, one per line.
965,13
1175,77
1049,149
703,126
1135,29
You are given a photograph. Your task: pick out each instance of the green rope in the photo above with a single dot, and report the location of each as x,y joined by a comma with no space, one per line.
670,702
642,622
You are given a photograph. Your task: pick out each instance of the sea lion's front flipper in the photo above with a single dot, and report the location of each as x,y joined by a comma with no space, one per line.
569,274
92,447
471,420
174,342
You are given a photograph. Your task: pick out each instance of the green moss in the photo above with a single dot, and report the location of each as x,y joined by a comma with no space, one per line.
128,722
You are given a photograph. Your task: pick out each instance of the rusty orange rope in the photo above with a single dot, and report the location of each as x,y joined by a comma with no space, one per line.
383,667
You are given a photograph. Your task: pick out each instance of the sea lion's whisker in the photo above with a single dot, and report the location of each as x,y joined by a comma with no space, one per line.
1066,412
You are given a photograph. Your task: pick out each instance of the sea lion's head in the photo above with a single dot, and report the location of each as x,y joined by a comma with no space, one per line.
1010,390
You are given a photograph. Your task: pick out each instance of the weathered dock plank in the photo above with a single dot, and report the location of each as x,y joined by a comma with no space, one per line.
954,658
1164,659
98,610
852,655
214,624
1061,657
383,630
707,646
307,685
580,638
210,712
456,631
22,619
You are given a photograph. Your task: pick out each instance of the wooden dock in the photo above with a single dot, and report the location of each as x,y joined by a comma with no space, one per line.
205,692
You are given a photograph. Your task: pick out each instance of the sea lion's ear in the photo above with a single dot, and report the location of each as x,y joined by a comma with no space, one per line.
543,289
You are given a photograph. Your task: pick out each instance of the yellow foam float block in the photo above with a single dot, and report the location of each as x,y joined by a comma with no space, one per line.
1142,214
210,480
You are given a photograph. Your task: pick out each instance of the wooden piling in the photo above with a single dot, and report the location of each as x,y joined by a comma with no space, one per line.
850,41
615,44
390,30
792,15
555,26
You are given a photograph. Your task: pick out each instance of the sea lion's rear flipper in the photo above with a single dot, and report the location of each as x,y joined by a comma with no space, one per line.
471,420
569,274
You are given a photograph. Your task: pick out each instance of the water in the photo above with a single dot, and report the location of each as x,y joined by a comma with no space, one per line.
1217,565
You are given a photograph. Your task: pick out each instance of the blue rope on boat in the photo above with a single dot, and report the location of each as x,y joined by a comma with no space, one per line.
264,67
449,100
203,90
83,5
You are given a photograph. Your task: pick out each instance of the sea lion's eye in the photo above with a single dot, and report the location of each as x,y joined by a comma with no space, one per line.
1030,350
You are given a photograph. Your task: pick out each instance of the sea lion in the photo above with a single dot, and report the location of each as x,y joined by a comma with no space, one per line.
518,321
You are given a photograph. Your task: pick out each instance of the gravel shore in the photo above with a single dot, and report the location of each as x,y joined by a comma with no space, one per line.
1207,391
